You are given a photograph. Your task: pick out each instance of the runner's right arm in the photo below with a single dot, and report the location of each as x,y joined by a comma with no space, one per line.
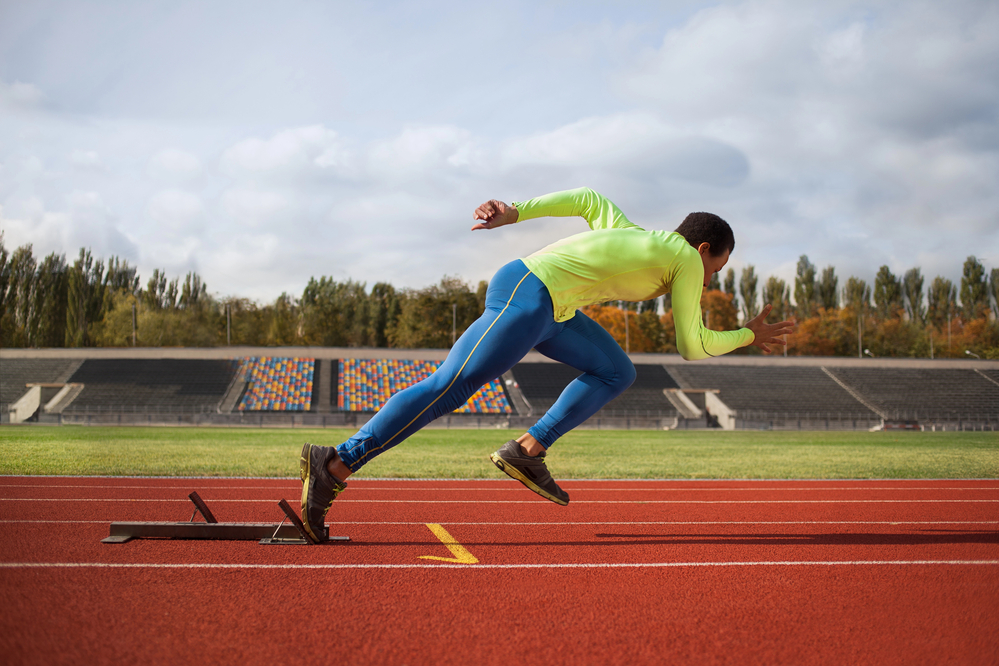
598,211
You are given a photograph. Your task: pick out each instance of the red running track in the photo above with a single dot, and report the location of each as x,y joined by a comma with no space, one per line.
631,572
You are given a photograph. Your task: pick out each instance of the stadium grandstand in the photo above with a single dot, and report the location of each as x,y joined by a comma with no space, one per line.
320,387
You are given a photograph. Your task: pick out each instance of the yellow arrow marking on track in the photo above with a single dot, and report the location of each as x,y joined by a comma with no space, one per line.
461,556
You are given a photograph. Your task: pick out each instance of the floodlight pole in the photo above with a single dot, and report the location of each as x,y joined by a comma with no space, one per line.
627,334
860,338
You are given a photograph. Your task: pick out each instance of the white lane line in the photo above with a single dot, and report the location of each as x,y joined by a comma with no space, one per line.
525,501
595,565
568,485
563,524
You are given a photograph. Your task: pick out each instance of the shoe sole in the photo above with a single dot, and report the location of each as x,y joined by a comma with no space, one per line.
305,469
514,473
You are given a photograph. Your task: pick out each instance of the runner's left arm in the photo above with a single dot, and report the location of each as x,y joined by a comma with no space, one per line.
694,341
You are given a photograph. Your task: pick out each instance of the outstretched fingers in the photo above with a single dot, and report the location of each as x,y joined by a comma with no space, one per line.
769,334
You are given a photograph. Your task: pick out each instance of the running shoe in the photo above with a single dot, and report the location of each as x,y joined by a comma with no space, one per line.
529,470
319,489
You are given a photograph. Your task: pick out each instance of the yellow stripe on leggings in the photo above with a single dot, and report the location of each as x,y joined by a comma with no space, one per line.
458,374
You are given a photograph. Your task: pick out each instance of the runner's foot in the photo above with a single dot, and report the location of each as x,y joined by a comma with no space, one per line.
319,489
529,470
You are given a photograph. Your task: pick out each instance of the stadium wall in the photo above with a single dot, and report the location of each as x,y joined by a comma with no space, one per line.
988,418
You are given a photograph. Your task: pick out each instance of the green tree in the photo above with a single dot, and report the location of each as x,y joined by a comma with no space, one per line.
248,323
48,303
4,280
193,293
974,290
856,294
85,300
941,301
747,290
993,289
778,294
286,325
804,288
425,318
730,288
335,314
887,294
159,293
21,283
714,284
384,309
480,294
912,289
828,289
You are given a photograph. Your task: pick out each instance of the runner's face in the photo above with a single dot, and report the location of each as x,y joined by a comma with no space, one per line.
712,264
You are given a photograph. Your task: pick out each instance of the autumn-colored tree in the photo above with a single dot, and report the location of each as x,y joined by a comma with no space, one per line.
720,313
612,318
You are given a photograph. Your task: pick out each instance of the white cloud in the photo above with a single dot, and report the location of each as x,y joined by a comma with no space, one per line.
174,165
86,160
87,222
855,133
289,152
424,150
20,96
252,208
177,213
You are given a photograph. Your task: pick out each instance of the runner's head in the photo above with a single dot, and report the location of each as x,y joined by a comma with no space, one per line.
711,237
707,228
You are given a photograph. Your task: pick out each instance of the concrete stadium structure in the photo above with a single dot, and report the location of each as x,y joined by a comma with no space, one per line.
203,386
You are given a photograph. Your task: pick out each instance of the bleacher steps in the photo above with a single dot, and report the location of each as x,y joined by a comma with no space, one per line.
986,377
237,388
683,404
63,399
321,386
719,410
69,371
27,405
521,406
849,389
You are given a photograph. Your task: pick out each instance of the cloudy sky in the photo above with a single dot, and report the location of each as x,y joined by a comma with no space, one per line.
262,143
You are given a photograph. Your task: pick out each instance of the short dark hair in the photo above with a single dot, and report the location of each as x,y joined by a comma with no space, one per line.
708,228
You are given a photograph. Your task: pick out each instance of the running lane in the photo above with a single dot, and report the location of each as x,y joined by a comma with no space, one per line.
445,572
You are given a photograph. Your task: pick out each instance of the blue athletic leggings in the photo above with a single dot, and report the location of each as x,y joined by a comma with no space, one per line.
518,317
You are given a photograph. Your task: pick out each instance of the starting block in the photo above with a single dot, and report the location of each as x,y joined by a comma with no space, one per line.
283,533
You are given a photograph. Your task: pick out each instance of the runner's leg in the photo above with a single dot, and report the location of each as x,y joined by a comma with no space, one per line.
607,372
518,314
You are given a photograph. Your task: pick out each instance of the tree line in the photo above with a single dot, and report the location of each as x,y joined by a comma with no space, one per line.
91,302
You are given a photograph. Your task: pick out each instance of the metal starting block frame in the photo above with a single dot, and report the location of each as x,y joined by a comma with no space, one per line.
283,533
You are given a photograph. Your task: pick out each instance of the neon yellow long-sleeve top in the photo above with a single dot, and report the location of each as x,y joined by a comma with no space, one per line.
618,260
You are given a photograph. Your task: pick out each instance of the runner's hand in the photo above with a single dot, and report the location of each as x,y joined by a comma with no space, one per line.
768,334
494,214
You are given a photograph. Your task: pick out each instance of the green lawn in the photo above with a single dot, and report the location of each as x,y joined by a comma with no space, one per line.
605,454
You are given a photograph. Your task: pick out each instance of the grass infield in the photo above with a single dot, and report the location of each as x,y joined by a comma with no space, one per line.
464,454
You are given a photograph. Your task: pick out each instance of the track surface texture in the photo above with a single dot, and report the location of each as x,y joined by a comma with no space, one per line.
457,572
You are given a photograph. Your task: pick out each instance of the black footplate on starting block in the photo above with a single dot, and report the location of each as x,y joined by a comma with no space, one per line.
283,533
